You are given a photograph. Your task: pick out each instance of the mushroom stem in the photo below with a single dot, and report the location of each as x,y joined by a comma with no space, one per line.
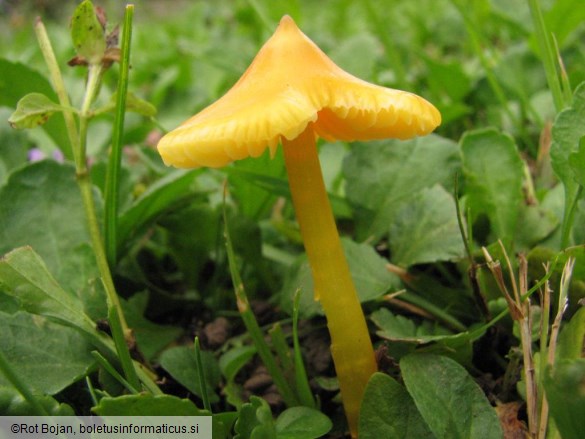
351,347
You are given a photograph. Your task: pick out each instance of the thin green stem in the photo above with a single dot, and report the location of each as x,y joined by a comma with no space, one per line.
58,85
111,195
78,141
103,362
201,376
253,328
122,347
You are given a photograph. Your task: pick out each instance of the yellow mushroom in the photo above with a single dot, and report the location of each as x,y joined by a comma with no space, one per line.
291,94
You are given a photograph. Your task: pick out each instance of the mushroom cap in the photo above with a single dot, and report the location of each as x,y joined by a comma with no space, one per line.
290,84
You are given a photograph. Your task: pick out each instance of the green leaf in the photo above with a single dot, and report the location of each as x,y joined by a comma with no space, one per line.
257,180
24,276
133,104
572,336
42,208
567,131
448,399
388,411
47,356
87,33
302,423
17,80
380,175
368,271
146,404
424,229
535,224
164,194
233,360
13,148
33,110
181,363
566,396
399,328
493,170
150,337
255,420
577,162
13,404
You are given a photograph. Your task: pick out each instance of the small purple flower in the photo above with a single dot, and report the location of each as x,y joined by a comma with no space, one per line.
36,155
58,156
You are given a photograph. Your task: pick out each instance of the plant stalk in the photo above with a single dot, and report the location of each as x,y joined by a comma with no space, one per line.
58,85
283,386
351,346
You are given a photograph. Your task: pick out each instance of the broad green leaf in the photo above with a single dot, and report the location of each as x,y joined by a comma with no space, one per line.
424,229
13,404
33,110
24,275
16,81
255,420
133,104
192,235
87,33
577,162
535,224
252,181
302,423
380,175
255,181
233,360
388,411
13,148
146,404
399,328
567,131
436,339
150,337
180,362
42,208
164,194
368,271
47,356
572,336
493,170
448,399
566,396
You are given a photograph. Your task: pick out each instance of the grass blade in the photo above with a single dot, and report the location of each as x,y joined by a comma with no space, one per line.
201,376
113,175
252,326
